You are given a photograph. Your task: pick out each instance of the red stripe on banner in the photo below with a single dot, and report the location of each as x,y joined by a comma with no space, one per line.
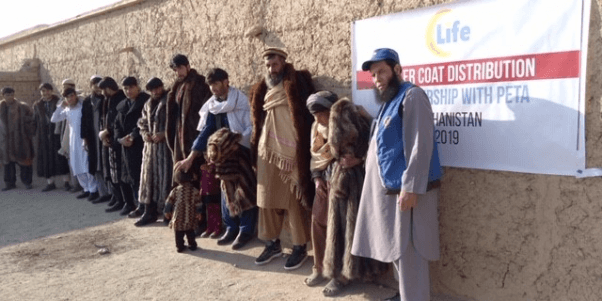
502,69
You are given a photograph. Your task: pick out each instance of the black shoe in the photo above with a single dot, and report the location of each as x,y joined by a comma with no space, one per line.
297,258
397,297
137,212
271,251
83,195
114,200
118,206
146,219
76,188
180,250
93,196
9,187
193,247
215,234
227,238
102,199
67,186
28,186
49,187
126,210
241,240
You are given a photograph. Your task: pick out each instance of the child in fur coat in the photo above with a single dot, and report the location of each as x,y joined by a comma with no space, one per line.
183,208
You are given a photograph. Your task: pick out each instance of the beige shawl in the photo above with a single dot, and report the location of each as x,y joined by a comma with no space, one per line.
320,149
277,144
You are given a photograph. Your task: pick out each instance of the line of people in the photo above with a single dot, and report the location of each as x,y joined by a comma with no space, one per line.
219,164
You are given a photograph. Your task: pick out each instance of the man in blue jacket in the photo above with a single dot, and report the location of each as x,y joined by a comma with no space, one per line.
397,219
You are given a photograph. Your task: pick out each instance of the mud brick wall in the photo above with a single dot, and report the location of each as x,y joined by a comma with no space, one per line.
25,81
505,236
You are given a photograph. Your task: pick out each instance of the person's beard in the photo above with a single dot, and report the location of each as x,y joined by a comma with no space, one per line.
390,92
273,80
157,96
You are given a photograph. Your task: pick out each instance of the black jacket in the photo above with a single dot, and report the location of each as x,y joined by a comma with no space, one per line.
126,123
90,127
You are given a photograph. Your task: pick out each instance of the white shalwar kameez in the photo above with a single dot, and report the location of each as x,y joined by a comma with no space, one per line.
78,156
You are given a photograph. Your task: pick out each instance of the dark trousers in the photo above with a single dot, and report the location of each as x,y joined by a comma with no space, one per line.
10,173
115,190
189,236
127,193
246,222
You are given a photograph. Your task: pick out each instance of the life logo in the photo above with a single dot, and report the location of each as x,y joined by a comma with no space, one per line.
444,34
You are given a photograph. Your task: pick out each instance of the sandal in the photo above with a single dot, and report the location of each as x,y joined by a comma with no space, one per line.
333,288
314,279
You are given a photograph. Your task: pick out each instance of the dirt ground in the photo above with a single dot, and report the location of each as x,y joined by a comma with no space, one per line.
142,263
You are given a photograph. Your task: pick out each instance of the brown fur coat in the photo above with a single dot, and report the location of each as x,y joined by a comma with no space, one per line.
298,86
233,168
17,134
183,116
349,130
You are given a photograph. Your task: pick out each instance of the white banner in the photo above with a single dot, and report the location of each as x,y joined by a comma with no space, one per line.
506,79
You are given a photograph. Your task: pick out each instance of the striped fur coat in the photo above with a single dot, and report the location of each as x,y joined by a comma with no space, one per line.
155,178
233,168
349,130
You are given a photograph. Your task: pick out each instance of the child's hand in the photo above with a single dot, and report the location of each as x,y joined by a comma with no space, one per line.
167,215
199,217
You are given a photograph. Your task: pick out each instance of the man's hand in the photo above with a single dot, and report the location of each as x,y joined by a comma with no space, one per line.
126,141
147,138
348,161
167,215
158,137
407,200
184,164
321,188
104,137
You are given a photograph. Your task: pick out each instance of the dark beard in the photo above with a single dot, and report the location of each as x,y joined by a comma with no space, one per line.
390,92
158,96
273,81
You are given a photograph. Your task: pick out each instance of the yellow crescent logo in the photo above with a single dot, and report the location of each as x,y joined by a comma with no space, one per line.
430,34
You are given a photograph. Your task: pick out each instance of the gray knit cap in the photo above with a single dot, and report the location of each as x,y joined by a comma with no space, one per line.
321,101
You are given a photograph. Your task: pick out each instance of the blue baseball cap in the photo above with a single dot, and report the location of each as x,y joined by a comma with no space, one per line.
381,54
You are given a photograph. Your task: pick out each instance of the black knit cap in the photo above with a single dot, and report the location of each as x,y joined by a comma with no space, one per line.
7,90
108,82
153,83
178,60
129,81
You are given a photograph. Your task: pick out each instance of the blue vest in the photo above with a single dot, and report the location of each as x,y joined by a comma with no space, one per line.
389,143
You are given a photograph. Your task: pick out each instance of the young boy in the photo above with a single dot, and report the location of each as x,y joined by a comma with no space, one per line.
71,110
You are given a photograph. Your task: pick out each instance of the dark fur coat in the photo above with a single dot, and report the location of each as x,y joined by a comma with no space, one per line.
17,134
49,162
349,130
183,116
233,167
298,86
